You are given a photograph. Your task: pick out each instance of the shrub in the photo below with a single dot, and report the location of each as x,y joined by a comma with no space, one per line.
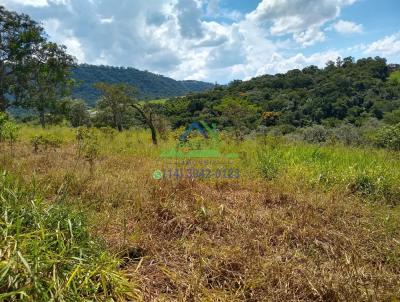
363,184
347,135
281,130
392,117
78,114
46,141
389,137
316,134
8,130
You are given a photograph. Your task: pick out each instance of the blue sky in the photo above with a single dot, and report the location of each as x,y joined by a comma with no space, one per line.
218,40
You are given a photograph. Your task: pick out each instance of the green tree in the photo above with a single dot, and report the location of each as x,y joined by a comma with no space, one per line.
116,99
119,99
78,113
49,79
238,114
20,38
148,117
344,91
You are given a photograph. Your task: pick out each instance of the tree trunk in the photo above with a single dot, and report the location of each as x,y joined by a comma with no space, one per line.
3,105
149,122
153,133
115,121
42,119
118,121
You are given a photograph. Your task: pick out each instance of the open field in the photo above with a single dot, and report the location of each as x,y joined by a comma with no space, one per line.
302,223
395,75
267,169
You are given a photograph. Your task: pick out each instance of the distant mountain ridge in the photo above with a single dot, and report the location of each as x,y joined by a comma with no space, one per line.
150,85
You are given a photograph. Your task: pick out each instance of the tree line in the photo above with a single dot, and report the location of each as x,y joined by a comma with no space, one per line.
346,91
37,74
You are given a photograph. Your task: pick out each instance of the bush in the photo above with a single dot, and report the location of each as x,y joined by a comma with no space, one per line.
347,135
8,131
316,134
363,184
389,137
46,141
392,117
46,253
281,130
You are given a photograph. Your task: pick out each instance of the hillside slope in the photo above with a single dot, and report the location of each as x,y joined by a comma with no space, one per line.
347,91
150,85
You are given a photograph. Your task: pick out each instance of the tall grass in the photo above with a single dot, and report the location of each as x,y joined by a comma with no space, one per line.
395,76
304,223
46,253
369,173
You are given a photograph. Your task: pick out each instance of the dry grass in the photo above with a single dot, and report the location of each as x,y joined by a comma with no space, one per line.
238,240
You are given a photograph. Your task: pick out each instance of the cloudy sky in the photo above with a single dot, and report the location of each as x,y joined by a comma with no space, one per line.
218,40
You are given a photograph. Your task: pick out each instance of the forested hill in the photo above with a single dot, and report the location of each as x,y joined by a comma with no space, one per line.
346,91
150,85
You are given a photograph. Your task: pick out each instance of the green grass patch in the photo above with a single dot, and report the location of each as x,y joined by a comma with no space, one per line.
395,76
159,101
370,173
46,253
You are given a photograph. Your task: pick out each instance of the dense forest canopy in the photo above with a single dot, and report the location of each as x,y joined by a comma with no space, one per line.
344,91
149,85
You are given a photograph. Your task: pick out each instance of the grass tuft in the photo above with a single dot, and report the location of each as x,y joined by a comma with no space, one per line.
46,253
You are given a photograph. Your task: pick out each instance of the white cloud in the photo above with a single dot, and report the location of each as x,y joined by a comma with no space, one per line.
104,20
301,18
388,46
65,37
36,3
347,27
172,37
309,36
281,64
188,15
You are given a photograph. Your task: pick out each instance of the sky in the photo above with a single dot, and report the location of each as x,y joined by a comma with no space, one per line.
218,40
